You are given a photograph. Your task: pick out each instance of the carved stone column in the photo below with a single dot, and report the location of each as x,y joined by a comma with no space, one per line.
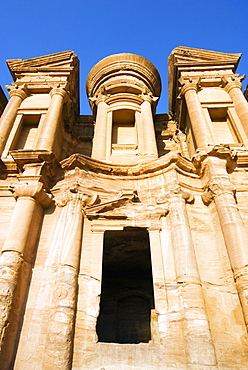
100,133
198,121
52,119
149,138
199,344
221,190
16,260
61,323
233,87
17,95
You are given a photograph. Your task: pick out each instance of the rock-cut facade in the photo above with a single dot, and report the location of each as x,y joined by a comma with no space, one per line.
124,234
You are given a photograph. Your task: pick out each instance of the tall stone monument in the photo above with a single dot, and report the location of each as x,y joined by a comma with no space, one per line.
124,233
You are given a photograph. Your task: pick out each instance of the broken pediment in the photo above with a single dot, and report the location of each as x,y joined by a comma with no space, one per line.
111,209
127,206
57,61
41,74
185,55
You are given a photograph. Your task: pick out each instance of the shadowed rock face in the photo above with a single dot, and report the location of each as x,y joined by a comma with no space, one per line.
127,289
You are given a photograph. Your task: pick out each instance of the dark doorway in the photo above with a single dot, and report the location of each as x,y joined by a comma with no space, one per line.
133,320
127,287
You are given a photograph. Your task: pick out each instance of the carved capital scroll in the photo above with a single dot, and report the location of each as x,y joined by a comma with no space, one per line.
101,96
147,96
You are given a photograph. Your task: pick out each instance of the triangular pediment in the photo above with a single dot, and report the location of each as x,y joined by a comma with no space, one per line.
186,55
114,208
60,60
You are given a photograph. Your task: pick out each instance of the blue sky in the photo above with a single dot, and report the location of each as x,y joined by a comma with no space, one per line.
94,29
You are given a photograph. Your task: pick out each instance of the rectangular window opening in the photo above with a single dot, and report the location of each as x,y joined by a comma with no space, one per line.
28,132
223,129
123,127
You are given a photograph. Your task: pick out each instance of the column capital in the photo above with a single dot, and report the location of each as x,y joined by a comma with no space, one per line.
99,97
188,85
216,188
233,84
233,81
175,190
59,91
148,97
32,190
219,151
95,101
21,92
74,194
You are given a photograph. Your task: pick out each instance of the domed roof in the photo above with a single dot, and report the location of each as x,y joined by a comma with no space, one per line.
120,65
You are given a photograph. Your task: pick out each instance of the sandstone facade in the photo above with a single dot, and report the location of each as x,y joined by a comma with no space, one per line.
124,234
